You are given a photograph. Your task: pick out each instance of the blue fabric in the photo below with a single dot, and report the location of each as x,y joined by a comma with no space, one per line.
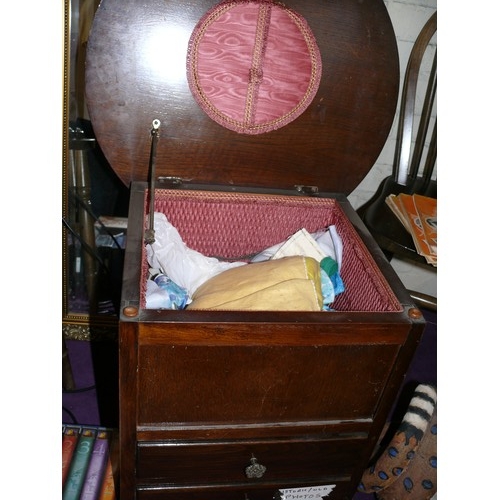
175,297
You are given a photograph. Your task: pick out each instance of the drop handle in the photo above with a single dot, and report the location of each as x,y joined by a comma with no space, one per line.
254,470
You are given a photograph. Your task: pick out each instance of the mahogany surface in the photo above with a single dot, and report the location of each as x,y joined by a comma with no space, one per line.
135,72
202,392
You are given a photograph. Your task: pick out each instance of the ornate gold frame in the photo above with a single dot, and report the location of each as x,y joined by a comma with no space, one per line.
75,325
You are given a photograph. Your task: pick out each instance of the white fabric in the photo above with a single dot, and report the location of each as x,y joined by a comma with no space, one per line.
183,265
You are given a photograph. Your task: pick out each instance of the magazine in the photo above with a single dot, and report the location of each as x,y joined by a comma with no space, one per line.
418,214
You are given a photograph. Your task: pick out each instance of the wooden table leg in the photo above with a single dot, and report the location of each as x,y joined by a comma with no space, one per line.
68,381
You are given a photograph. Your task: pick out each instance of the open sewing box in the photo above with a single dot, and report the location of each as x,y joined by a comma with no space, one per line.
240,404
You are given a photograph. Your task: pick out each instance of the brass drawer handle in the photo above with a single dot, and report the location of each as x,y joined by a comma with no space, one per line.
254,470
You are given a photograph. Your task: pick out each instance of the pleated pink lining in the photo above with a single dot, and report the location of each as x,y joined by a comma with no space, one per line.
253,66
235,226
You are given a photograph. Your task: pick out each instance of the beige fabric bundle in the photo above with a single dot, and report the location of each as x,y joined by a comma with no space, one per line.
287,284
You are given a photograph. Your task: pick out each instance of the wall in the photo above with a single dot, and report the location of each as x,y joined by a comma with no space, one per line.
408,17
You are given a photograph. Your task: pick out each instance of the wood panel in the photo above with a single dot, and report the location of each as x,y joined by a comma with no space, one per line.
260,384
237,492
135,72
225,462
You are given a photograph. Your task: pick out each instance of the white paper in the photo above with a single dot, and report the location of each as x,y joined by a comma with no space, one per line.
330,242
300,243
307,492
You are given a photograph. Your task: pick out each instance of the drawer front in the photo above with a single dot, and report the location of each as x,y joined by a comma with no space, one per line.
311,491
254,384
240,461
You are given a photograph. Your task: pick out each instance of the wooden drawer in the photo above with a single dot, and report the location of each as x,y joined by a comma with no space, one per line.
249,372
243,492
201,392
187,375
208,462
259,383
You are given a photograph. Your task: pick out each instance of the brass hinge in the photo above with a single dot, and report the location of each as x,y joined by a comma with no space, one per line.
172,181
307,190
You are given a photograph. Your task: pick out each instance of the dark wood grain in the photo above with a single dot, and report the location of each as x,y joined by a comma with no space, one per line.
225,461
332,145
240,491
200,391
198,387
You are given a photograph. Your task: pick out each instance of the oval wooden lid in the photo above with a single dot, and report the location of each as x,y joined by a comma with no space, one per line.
136,72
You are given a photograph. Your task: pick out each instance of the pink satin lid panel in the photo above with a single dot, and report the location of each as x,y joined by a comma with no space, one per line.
253,66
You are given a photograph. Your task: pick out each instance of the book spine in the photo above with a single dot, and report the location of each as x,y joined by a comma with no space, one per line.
97,467
69,440
108,491
108,486
79,463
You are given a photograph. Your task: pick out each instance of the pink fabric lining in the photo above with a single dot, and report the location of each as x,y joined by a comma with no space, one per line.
235,226
253,66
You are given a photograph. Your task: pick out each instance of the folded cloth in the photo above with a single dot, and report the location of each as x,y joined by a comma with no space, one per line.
287,284
327,291
331,268
330,242
324,245
183,265
300,243
163,293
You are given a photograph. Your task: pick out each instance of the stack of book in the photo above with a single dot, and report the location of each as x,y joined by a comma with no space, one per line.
89,463
418,214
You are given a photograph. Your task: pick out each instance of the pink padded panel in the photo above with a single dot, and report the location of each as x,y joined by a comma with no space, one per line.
253,66
234,226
